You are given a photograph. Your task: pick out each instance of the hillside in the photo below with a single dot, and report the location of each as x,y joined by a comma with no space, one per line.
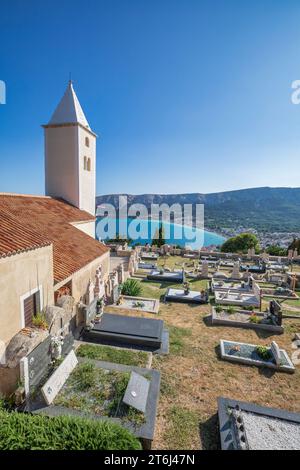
266,209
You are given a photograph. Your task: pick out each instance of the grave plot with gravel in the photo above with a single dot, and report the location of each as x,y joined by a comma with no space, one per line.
250,427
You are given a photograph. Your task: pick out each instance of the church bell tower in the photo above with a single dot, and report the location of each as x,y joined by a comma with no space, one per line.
70,154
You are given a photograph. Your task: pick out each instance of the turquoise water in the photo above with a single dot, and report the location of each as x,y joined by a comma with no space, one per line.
142,232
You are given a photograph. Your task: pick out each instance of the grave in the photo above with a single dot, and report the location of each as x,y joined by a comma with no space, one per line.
244,353
246,319
248,426
153,256
147,265
255,269
144,304
135,411
140,332
237,298
192,296
175,276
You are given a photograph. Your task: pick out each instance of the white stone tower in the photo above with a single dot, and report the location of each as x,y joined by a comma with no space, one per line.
70,155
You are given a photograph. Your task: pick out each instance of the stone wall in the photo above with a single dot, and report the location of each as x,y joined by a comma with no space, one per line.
9,378
80,280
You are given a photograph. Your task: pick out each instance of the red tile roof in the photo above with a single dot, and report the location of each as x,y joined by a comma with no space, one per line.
28,222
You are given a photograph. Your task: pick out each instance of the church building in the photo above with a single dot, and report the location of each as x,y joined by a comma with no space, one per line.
47,243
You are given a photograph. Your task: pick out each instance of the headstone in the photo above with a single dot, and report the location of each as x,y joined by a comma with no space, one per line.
204,270
236,270
90,294
276,352
136,393
290,254
57,380
99,290
121,273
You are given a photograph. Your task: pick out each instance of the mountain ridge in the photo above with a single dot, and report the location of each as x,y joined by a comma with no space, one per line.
263,208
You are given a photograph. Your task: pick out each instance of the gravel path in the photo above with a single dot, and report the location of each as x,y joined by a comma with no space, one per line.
265,433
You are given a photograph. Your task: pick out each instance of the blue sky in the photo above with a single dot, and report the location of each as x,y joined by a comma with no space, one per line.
186,95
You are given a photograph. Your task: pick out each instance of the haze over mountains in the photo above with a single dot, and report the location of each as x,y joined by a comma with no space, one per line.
265,209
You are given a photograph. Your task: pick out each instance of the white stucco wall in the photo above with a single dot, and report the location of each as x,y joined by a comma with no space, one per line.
87,179
65,175
20,276
86,227
61,163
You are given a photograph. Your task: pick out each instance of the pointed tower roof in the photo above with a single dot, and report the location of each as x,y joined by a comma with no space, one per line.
69,110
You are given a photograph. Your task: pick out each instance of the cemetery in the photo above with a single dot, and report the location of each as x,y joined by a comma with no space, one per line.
247,426
260,356
271,320
118,342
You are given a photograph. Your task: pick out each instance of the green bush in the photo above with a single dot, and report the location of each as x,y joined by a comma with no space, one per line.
39,321
131,287
21,431
219,309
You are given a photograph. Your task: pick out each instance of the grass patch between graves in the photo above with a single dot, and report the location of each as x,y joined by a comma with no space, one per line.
111,354
22,431
182,423
179,339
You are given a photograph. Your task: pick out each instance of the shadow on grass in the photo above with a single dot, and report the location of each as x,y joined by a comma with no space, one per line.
218,352
209,433
267,373
265,334
207,320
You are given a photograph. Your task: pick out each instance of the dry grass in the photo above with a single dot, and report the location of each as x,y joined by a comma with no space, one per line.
193,376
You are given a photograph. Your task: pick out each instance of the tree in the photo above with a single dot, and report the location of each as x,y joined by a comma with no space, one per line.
275,250
241,243
159,236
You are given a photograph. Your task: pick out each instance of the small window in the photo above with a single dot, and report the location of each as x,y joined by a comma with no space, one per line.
85,163
87,142
88,164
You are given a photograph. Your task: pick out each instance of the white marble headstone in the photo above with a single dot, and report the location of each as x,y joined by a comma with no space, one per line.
57,380
276,352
